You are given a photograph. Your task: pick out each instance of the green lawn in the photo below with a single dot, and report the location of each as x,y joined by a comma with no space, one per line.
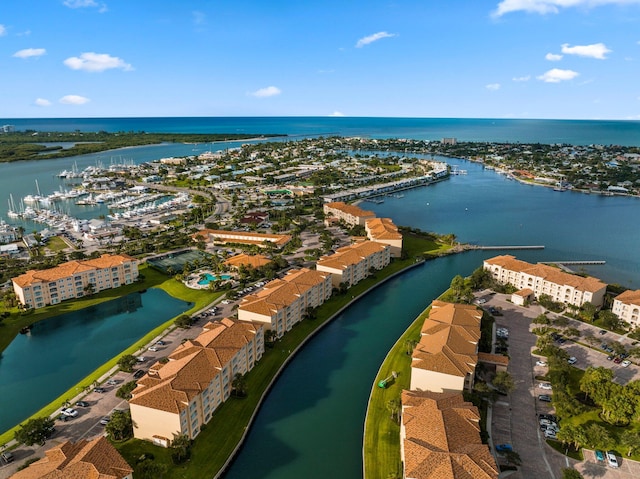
381,432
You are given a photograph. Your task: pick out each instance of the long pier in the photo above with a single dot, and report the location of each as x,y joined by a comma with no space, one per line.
586,262
507,247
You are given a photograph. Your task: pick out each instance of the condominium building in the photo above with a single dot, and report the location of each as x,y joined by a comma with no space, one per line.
350,214
382,230
351,264
284,302
180,396
85,459
542,279
626,306
440,438
39,288
446,356
241,237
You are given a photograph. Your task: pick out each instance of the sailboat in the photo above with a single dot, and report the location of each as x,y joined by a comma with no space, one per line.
33,198
12,212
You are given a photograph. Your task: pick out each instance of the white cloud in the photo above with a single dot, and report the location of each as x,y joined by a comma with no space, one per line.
74,100
42,102
553,57
3,30
30,52
96,62
493,86
524,78
266,92
337,113
102,7
597,50
373,38
556,75
552,6
199,18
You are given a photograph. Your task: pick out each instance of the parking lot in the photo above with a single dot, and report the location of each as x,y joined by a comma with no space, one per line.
515,417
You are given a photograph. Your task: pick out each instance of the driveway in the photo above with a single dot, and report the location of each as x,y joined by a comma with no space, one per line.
515,419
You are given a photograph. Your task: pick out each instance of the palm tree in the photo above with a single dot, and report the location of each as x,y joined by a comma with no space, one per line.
393,406
239,385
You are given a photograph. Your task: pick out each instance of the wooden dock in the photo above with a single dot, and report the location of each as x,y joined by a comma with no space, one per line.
512,247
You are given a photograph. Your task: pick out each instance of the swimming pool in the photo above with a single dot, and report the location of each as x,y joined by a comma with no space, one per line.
209,278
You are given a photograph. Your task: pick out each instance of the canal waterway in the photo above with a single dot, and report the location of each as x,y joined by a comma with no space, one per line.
58,352
311,424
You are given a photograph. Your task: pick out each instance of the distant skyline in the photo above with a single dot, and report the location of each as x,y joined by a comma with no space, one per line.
549,59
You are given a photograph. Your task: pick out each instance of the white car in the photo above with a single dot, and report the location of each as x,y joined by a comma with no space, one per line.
153,348
541,363
67,411
612,460
546,386
481,301
549,434
572,360
625,363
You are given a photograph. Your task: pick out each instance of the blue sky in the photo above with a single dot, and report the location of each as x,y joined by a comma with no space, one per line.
573,59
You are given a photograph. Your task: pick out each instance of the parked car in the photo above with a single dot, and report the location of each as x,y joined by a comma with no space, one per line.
7,456
617,360
153,348
572,360
626,363
541,363
63,418
610,357
112,382
544,398
550,434
82,404
504,448
612,460
105,420
99,390
546,386
67,411
599,455
602,331
141,359
139,373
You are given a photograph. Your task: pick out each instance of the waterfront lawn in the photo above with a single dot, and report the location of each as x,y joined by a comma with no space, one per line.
382,432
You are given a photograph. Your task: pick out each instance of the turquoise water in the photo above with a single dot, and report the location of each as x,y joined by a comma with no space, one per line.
210,278
38,367
581,132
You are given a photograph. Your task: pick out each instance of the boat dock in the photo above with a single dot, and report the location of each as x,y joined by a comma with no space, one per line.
516,247
588,262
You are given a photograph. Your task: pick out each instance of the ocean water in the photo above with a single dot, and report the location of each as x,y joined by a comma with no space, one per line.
578,132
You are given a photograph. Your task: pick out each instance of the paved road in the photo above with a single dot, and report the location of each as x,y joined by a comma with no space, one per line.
514,418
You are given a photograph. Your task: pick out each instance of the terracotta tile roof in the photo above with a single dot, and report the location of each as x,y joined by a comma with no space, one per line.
192,366
70,268
442,438
548,273
237,237
85,459
254,261
449,339
352,210
351,255
630,297
281,293
493,358
382,229
525,292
